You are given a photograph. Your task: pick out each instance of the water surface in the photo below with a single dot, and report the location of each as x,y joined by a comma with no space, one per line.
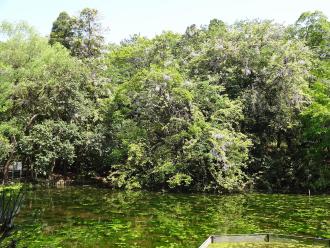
93,217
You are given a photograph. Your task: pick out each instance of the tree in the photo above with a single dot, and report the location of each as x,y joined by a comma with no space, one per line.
81,35
9,133
256,63
45,87
316,122
50,143
207,110
11,128
88,39
161,139
314,28
62,30
126,60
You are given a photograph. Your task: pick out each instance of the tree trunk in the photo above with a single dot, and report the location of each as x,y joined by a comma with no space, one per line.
279,140
52,168
6,169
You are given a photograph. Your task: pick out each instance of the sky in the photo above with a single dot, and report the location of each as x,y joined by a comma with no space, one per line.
123,18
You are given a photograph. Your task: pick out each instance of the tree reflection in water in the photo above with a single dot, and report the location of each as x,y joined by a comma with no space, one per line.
90,217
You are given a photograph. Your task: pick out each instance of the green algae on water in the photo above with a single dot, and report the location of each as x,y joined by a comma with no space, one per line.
94,217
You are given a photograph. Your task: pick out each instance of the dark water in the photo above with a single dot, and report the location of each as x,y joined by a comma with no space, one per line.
90,217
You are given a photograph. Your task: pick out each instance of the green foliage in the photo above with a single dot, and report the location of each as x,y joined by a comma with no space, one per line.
62,30
45,91
49,142
314,28
316,120
218,108
13,187
165,139
8,132
260,68
81,35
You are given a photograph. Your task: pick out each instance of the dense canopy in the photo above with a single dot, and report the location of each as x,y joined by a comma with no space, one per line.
220,108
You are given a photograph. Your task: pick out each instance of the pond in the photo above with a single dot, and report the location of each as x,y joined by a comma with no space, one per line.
94,217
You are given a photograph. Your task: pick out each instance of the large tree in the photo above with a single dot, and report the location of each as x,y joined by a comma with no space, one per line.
255,62
46,92
62,30
163,131
81,34
314,28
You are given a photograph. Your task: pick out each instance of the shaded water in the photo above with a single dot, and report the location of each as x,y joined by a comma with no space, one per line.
91,217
